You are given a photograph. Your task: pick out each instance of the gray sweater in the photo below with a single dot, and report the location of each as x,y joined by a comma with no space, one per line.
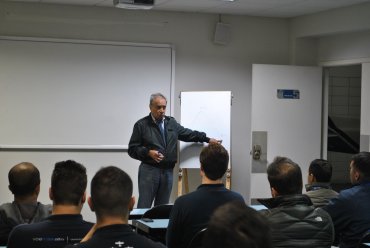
11,216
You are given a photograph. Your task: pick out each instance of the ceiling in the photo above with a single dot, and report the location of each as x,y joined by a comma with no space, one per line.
266,8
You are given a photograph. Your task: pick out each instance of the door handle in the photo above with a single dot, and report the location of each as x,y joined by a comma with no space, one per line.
256,152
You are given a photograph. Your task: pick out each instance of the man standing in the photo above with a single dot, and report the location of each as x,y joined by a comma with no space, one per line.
318,187
192,212
294,221
154,142
111,200
24,183
350,210
65,225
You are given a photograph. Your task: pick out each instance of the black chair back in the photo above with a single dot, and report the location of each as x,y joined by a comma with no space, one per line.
159,212
196,241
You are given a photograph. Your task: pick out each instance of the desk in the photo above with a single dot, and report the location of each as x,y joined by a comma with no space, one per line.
155,230
258,207
137,213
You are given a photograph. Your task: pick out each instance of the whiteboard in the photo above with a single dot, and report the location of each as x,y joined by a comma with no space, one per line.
77,93
209,112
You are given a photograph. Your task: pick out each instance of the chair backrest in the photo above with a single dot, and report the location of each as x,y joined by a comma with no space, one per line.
196,241
159,212
365,239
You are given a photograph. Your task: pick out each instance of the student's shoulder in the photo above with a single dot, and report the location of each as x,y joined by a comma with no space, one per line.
236,195
145,242
187,197
27,229
5,206
87,223
23,227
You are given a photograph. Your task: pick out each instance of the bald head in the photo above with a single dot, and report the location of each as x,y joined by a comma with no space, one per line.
285,176
24,178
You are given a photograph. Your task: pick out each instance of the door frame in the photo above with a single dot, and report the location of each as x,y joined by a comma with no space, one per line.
325,95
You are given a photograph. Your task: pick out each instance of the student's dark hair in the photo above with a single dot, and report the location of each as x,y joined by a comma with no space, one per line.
285,176
321,169
68,182
235,225
23,179
361,161
214,160
111,191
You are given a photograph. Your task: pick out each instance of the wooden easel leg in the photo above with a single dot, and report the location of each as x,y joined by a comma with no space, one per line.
228,178
179,183
186,182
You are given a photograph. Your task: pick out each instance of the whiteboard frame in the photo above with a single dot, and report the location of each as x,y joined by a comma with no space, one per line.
90,42
195,157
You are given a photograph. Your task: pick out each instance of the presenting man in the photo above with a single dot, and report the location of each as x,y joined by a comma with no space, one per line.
154,142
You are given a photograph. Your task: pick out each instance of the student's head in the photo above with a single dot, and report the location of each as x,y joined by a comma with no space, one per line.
235,225
24,179
68,183
320,170
111,193
360,167
157,105
285,177
214,160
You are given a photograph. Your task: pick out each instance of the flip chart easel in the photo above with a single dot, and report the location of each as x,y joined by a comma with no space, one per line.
183,181
209,112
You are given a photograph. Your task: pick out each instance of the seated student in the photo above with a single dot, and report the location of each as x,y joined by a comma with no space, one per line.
191,212
111,200
235,225
65,225
24,183
318,187
294,221
350,210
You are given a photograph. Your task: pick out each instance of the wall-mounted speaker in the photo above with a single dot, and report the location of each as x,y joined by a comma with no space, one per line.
222,34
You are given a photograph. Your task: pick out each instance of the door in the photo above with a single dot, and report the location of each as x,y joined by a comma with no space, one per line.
286,119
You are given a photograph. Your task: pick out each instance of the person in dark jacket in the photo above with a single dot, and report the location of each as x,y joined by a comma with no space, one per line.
318,187
191,212
294,221
350,210
24,183
65,225
154,142
111,200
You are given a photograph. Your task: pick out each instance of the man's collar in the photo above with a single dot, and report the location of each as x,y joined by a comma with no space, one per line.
317,185
154,120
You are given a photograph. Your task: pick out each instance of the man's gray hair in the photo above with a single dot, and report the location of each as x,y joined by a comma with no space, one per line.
155,95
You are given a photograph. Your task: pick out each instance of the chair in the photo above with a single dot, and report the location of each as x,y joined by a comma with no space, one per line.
159,212
196,241
365,240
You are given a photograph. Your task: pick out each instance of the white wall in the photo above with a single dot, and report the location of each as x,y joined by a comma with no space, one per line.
200,65
365,103
341,34
341,20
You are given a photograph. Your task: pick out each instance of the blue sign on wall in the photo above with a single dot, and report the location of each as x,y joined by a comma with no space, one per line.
287,94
